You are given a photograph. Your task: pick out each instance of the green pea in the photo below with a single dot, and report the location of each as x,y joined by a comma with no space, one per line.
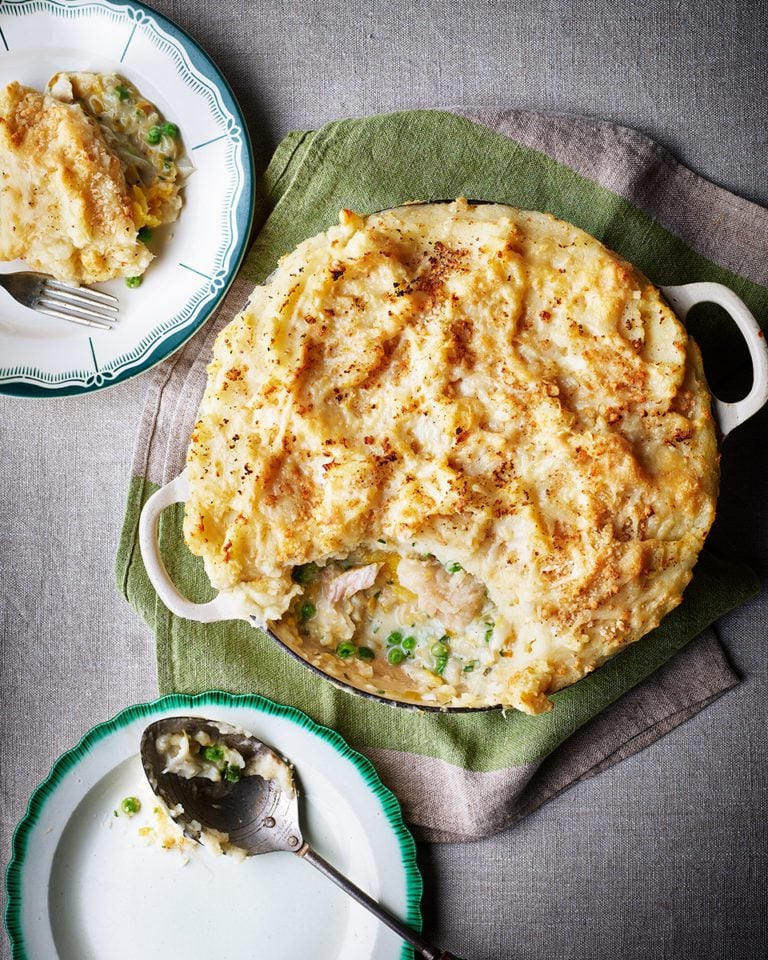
345,650
133,282
144,235
304,573
439,649
122,93
307,611
454,567
232,773
394,638
213,754
154,135
170,130
409,643
395,656
130,805
365,653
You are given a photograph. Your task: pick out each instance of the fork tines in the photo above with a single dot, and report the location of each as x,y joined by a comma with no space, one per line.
93,308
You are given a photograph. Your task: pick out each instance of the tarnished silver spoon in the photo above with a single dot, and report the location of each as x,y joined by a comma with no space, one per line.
259,812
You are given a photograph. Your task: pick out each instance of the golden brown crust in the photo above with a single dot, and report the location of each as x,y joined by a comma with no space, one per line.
64,204
482,384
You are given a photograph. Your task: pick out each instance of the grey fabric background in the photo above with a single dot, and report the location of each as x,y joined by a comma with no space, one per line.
665,854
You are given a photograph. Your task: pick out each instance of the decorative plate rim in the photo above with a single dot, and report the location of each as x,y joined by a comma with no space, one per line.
242,212
70,758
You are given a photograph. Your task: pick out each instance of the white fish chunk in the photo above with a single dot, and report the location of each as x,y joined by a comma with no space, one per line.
350,582
455,599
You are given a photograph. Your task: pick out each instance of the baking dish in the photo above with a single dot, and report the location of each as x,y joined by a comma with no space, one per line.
728,416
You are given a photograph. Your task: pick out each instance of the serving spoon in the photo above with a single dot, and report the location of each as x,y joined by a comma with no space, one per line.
259,813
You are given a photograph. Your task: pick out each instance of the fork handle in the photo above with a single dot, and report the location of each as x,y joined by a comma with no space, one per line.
419,944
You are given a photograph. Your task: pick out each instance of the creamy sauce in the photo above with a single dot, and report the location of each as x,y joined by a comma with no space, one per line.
188,757
201,755
150,149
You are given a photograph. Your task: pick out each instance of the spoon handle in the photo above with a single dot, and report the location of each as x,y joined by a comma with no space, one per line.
422,948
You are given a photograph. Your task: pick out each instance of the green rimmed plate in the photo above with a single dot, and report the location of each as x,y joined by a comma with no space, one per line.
198,256
83,884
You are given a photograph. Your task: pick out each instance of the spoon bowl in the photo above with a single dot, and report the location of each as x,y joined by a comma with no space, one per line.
258,813
257,810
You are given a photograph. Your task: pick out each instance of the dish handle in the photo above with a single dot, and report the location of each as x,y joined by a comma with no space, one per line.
174,492
681,299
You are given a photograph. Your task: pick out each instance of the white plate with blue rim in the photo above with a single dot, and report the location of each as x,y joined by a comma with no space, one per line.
88,882
199,254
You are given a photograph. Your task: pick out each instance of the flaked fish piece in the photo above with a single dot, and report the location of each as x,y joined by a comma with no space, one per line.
455,599
350,582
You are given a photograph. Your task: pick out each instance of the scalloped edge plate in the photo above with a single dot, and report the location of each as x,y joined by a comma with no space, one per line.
197,257
82,883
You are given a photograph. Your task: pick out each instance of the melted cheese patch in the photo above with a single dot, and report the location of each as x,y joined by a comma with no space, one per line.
484,386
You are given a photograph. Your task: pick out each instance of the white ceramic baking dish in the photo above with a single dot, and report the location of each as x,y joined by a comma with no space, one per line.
728,417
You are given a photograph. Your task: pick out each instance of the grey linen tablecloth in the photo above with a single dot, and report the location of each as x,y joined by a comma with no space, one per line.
665,854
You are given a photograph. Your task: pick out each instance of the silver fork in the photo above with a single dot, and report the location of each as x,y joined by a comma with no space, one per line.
91,308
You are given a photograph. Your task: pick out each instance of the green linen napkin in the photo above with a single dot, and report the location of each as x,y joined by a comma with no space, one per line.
463,776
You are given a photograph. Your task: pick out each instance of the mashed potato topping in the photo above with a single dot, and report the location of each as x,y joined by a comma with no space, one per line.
454,454
89,168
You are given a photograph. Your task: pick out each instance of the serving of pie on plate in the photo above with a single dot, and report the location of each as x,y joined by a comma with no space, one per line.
454,455
89,169
100,65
